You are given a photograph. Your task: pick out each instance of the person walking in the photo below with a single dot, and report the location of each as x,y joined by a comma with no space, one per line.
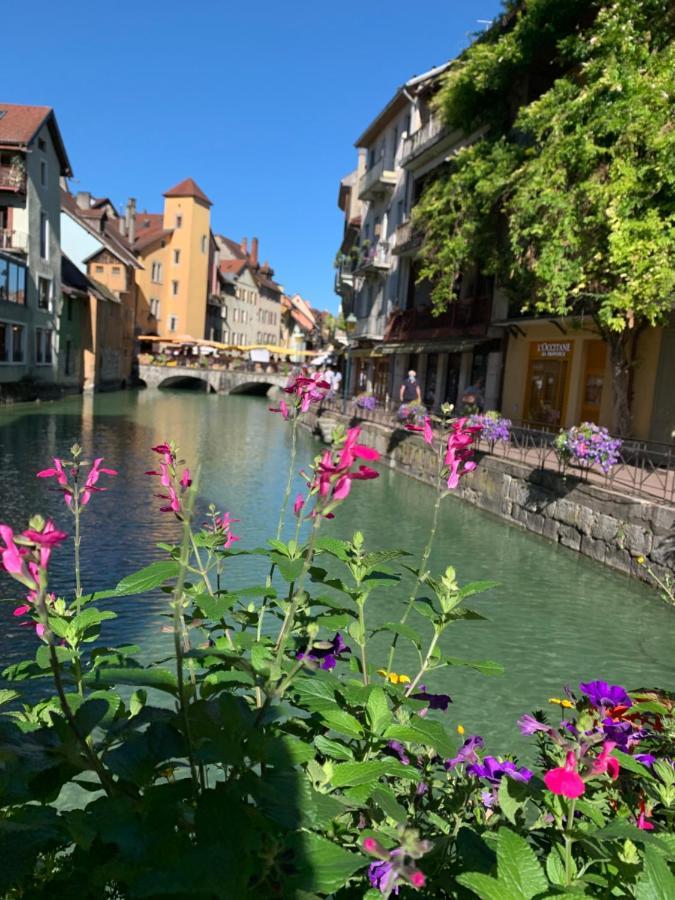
410,389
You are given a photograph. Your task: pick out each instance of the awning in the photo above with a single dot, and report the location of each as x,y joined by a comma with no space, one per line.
455,346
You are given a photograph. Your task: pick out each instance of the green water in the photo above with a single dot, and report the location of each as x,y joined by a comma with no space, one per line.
556,618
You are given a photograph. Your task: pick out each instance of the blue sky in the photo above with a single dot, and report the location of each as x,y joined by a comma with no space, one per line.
260,102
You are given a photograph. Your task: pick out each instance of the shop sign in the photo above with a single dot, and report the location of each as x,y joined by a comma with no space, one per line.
554,349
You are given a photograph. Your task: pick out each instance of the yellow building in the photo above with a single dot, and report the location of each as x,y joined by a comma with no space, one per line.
174,248
558,374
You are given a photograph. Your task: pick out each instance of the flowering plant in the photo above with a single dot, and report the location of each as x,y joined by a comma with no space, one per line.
412,412
589,444
366,401
493,427
288,760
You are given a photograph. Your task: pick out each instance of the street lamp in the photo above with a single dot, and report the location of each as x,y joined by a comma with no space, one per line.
350,325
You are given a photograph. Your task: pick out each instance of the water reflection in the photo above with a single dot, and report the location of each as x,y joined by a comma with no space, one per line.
556,616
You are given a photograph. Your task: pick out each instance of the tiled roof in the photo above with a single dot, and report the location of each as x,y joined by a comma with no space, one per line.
106,232
151,236
188,188
233,246
232,265
19,125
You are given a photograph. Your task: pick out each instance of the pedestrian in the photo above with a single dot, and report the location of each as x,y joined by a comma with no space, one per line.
337,382
473,399
410,389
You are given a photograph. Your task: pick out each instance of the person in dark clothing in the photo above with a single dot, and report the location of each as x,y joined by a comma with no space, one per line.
410,389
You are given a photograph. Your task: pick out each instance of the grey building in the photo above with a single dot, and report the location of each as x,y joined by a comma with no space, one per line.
33,159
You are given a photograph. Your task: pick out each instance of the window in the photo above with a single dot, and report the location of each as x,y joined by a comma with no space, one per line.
173,322
235,315
156,273
43,346
42,144
44,236
176,257
98,270
154,307
174,288
12,282
179,221
11,342
43,173
204,243
226,337
44,293
116,270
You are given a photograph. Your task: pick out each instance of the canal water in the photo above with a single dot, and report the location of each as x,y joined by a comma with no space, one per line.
556,618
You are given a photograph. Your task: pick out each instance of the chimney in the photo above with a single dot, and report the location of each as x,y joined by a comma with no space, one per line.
254,251
83,199
130,219
122,226
244,246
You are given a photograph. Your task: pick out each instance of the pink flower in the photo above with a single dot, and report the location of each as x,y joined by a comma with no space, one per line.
306,389
459,451
565,780
643,822
606,764
299,503
57,472
92,478
185,480
46,540
174,502
426,429
282,408
333,475
12,557
418,879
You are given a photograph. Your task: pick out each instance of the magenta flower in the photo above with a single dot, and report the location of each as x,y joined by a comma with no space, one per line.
333,474
92,479
565,780
425,429
13,561
306,388
459,451
175,484
604,763
70,487
222,525
396,867
299,503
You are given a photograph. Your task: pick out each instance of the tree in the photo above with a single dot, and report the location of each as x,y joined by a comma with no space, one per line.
571,200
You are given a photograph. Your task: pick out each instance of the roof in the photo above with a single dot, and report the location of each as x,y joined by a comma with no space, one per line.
20,124
106,231
232,246
232,265
397,103
149,229
188,188
76,283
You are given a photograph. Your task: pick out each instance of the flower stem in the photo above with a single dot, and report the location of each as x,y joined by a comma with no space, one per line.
76,545
361,602
432,646
569,842
289,618
426,553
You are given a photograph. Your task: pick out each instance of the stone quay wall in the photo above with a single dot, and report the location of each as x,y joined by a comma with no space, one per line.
612,528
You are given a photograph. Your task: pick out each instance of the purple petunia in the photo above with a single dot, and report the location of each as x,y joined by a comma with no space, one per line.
466,753
435,701
382,876
493,770
396,748
529,725
601,694
647,759
326,653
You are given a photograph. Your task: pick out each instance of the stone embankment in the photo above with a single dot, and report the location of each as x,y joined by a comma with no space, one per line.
612,528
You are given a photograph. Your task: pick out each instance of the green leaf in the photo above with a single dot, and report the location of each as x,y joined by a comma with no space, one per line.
335,621
519,869
486,887
332,749
290,569
333,546
90,618
377,710
215,607
155,677
484,666
476,587
555,870
512,797
632,765
657,882
98,709
404,630
428,732
342,722
7,695
384,797
43,656
146,579
371,770
591,811
320,865
317,692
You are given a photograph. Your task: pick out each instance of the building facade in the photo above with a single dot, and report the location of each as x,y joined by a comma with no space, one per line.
33,159
174,249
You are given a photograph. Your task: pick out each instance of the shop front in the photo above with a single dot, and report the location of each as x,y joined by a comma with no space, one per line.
558,374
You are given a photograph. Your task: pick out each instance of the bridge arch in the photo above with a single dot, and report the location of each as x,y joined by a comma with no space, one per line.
258,387
186,382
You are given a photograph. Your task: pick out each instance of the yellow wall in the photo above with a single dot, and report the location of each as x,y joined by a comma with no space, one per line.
192,271
147,289
517,363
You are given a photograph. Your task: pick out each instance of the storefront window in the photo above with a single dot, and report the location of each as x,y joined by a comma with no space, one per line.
546,389
430,380
452,378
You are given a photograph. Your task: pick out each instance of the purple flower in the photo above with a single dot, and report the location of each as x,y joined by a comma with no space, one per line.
326,653
493,770
488,799
383,877
622,733
647,759
435,701
422,788
529,725
396,748
601,694
466,753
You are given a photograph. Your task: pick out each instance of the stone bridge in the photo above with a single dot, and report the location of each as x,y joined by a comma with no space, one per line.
215,380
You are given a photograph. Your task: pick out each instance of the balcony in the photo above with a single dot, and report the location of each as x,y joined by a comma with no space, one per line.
466,318
376,181
407,240
16,241
375,260
344,276
429,136
13,178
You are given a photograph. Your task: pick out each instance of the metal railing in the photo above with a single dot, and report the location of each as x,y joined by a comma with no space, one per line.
375,257
644,470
